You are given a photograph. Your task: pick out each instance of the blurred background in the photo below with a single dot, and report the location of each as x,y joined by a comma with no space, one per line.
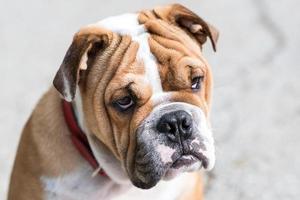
256,105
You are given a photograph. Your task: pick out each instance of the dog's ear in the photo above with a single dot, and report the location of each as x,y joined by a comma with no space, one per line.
189,21
86,43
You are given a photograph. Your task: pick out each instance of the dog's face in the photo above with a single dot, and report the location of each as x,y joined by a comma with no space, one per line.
145,88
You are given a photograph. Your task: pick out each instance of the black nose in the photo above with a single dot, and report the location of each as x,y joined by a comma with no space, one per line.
177,125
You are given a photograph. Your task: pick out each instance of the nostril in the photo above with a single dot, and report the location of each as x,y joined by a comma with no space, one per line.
166,127
186,124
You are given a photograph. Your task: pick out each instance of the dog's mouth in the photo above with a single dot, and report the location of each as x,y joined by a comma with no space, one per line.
186,163
150,168
189,160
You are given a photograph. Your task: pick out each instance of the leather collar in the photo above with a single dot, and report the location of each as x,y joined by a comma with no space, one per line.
79,138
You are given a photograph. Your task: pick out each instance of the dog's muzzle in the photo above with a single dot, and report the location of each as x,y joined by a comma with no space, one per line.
174,138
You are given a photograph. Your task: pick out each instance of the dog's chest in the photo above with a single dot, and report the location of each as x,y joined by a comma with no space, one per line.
80,185
166,190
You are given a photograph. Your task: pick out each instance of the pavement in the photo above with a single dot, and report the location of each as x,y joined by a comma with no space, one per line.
256,104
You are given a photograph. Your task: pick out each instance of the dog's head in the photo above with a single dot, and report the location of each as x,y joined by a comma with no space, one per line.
145,89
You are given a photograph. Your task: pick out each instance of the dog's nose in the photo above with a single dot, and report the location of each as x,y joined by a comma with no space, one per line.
177,125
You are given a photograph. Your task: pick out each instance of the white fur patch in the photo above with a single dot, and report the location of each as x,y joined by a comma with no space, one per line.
127,24
77,105
149,61
67,89
165,153
79,184
84,59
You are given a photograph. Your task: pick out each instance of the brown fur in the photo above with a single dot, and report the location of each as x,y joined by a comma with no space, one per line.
45,142
196,192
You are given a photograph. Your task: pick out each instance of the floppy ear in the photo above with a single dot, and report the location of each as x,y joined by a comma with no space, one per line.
188,20
86,43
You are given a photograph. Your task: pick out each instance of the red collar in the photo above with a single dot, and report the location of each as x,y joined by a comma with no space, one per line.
79,138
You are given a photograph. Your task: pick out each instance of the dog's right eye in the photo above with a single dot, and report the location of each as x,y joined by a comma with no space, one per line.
196,82
124,103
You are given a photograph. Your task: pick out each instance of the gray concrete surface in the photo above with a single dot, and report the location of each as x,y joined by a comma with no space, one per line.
256,110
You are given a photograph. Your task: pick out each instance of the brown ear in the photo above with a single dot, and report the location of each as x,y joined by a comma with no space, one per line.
86,43
187,19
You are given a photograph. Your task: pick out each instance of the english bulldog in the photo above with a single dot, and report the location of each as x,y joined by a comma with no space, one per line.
128,116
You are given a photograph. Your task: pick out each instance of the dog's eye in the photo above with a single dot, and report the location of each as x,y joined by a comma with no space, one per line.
125,103
196,82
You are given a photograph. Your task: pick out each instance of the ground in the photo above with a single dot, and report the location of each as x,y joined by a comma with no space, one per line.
256,104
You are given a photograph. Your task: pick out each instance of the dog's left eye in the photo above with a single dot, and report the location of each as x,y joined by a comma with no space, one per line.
125,103
196,81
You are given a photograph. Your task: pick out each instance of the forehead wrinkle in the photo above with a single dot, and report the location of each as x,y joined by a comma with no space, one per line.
174,57
171,72
162,53
119,59
174,45
128,24
172,32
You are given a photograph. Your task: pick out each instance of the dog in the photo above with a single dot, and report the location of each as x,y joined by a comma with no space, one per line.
127,116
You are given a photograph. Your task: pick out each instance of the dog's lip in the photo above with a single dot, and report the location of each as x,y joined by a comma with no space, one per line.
190,159
203,159
185,160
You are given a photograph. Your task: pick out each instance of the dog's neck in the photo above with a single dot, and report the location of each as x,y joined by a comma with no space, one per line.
104,157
